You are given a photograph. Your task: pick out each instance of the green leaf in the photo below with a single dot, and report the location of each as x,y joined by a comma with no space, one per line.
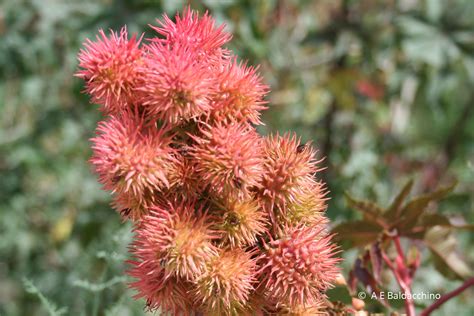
425,222
356,233
340,294
428,221
435,219
371,211
393,211
413,209
443,247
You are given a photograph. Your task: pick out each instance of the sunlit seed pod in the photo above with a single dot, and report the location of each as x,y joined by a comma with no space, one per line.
286,172
225,286
239,94
111,68
228,158
176,88
242,222
299,267
131,157
164,293
199,33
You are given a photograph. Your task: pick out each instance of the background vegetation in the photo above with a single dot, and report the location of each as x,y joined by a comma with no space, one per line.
384,89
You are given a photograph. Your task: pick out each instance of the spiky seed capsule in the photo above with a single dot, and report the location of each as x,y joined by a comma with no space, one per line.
168,294
111,68
131,157
317,309
239,93
175,87
184,177
225,286
242,222
179,236
298,267
228,158
308,207
132,207
287,171
197,33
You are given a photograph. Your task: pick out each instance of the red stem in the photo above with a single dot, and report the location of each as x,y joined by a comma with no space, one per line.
409,303
389,264
404,284
443,299
398,245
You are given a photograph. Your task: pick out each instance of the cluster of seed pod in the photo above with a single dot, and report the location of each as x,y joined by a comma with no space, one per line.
227,222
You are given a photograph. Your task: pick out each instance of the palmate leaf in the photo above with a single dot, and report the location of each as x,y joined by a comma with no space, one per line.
447,259
430,220
393,211
356,233
409,219
404,216
411,212
371,211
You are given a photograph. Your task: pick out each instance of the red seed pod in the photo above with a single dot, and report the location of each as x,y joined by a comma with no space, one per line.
225,286
131,157
111,67
299,266
178,236
228,158
176,88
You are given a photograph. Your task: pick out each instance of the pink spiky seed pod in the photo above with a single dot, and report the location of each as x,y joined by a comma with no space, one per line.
241,222
131,207
168,294
131,156
308,208
184,178
299,267
178,235
225,286
289,167
317,309
239,93
175,87
198,33
111,67
228,158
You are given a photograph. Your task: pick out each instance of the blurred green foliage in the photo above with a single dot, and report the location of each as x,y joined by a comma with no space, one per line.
384,89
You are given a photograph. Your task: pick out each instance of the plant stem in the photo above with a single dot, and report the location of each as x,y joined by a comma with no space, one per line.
404,284
398,245
443,299
406,280
409,303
